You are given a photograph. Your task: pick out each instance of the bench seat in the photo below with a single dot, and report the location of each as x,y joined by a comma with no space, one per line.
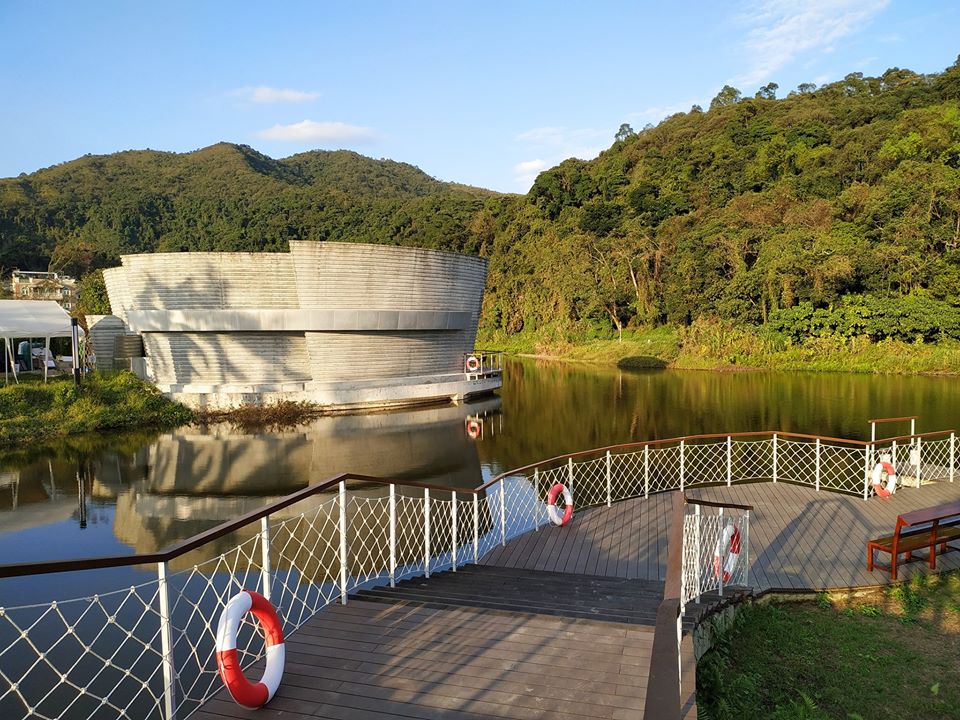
930,529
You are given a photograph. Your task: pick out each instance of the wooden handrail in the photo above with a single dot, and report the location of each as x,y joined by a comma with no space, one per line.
184,546
890,420
710,503
663,683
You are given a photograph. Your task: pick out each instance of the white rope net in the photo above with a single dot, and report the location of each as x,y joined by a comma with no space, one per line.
101,656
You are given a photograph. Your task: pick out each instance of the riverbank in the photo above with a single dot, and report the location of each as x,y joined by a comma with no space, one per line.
715,346
33,411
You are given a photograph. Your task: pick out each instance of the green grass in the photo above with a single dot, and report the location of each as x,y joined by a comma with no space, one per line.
33,411
715,345
891,655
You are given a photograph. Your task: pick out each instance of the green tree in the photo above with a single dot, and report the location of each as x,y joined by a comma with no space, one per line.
727,96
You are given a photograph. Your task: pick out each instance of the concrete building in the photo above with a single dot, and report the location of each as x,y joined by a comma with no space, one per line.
339,324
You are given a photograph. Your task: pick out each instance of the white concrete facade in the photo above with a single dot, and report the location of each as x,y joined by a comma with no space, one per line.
340,324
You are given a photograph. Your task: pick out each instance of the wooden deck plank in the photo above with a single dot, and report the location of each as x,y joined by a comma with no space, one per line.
400,658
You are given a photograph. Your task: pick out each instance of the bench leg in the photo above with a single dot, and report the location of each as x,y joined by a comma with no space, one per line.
869,558
893,566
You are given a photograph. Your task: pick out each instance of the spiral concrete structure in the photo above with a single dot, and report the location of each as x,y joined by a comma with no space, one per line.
338,324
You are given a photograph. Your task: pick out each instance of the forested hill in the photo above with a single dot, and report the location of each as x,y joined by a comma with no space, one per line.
819,210
837,198
84,214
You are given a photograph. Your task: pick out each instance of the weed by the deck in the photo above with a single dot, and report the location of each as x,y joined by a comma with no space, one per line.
891,655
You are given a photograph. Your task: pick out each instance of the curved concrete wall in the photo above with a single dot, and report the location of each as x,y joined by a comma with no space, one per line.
337,276
325,315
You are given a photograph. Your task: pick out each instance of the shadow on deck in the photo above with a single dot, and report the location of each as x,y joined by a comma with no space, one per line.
559,622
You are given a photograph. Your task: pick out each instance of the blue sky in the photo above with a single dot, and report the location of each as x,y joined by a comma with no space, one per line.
486,93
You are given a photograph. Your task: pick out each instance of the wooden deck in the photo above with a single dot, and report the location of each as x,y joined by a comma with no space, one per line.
558,624
800,539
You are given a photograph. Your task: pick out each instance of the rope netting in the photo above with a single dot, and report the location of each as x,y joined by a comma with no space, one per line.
103,656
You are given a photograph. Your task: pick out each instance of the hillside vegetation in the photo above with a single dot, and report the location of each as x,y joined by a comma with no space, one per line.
833,212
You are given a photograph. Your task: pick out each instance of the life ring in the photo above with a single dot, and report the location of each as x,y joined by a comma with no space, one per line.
246,693
473,364
729,536
552,511
473,429
880,469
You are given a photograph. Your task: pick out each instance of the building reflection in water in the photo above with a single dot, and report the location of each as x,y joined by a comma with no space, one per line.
193,479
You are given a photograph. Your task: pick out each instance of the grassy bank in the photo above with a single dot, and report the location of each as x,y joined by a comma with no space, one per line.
708,345
33,411
889,655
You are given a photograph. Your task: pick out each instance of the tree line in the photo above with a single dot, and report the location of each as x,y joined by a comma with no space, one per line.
802,213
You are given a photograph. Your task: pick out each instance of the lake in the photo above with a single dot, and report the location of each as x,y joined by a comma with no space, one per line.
139,492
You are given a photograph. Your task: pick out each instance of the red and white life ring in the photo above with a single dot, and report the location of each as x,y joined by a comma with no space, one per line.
246,693
880,469
473,429
552,512
729,536
473,364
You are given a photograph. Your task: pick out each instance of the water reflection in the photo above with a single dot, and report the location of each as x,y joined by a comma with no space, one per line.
183,482
552,408
142,492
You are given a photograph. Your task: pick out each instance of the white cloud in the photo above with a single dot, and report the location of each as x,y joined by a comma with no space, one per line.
552,145
524,173
530,166
312,131
781,30
264,94
658,113
563,137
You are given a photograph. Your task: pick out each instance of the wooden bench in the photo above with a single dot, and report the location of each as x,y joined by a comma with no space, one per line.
926,529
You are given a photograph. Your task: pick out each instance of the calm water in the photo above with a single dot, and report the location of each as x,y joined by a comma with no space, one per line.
140,492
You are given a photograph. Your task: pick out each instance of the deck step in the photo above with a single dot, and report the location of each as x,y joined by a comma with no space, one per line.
586,597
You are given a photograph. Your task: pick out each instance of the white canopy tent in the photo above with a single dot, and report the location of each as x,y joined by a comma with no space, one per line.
26,319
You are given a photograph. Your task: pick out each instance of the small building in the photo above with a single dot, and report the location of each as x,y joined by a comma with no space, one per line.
331,323
37,285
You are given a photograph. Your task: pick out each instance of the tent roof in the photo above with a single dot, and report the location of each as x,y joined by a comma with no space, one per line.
33,319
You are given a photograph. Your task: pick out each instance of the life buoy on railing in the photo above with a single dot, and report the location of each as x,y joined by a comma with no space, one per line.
473,429
246,693
552,512
729,536
473,364
881,469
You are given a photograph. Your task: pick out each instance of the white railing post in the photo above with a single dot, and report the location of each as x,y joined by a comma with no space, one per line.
610,484
476,528
895,456
426,531
722,563
729,460
696,549
343,542
682,449
775,457
503,513
816,465
166,646
745,547
646,471
570,475
913,426
536,494
866,472
265,580
393,535
453,523
952,439
919,457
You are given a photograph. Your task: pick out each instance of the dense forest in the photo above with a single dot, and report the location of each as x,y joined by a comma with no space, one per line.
832,210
